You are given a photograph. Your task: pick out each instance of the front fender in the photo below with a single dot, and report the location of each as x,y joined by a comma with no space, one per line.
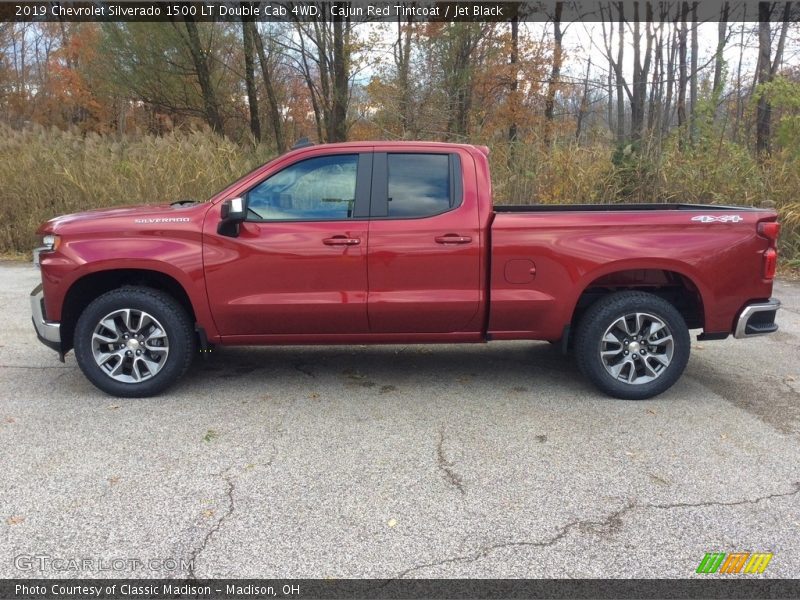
178,257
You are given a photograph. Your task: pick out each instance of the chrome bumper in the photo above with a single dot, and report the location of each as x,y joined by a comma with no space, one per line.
49,332
757,319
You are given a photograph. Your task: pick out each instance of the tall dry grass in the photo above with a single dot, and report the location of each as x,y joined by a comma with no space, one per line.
45,173
713,173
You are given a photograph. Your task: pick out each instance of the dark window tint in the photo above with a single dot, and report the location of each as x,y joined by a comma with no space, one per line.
419,184
322,188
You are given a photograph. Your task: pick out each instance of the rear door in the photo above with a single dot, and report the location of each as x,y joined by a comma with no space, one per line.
424,245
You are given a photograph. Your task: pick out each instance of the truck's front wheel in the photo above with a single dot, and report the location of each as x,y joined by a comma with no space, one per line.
632,345
134,342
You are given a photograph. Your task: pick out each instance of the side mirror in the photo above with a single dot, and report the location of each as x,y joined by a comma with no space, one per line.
232,212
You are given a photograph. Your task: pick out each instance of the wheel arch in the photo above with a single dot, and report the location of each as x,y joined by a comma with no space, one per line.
96,283
671,281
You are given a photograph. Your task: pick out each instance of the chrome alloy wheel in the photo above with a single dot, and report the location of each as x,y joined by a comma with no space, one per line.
637,348
130,345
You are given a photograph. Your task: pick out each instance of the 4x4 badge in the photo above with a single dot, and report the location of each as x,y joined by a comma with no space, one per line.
722,219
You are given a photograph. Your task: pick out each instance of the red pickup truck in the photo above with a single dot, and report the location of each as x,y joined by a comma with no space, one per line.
399,243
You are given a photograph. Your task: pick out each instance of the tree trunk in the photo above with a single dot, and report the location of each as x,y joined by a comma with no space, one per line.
787,9
656,84
319,118
584,102
766,71
203,71
682,77
513,100
739,98
269,86
763,109
636,106
722,27
555,74
403,64
337,127
250,81
620,80
608,42
641,69
693,78
672,49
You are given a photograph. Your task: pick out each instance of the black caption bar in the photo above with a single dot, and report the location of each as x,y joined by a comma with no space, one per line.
354,589
364,10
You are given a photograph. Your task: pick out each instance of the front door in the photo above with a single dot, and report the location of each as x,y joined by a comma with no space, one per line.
299,262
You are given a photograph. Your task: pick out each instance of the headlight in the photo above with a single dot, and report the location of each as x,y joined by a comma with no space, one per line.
49,242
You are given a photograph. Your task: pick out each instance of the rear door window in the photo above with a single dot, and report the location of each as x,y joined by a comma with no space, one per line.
420,185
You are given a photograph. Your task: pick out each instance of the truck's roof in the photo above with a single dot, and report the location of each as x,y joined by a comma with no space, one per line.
396,144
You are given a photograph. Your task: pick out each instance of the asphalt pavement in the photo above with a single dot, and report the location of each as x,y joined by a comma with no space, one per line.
487,461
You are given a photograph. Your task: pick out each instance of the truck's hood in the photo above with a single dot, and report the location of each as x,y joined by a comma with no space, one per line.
133,216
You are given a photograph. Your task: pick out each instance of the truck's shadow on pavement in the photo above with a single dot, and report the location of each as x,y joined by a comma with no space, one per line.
518,366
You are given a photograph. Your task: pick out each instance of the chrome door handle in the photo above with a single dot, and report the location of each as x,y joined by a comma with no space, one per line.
340,240
452,238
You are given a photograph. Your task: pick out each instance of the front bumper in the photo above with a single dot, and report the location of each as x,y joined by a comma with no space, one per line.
49,332
757,319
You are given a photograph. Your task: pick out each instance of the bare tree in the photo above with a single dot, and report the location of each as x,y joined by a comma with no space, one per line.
641,69
682,74
584,101
672,54
248,48
269,86
200,59
693,77
337,125
514,85
555,73
722,39
402,61
767,68
619,78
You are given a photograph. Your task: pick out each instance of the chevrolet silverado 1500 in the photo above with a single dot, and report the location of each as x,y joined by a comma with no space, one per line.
399,243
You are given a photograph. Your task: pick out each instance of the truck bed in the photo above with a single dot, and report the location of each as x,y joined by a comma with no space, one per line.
517,208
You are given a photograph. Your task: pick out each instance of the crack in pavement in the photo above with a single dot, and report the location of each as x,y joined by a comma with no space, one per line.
229,480
446,466
610,524
216,526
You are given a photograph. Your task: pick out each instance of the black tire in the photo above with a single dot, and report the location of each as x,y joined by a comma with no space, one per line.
594,326
170,316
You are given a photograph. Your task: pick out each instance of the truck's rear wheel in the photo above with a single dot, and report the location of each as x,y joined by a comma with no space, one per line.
134,342
632,345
